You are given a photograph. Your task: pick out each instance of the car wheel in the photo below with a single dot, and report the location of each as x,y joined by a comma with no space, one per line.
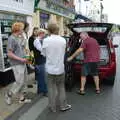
110,80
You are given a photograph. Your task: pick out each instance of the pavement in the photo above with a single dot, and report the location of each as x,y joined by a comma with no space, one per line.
7,110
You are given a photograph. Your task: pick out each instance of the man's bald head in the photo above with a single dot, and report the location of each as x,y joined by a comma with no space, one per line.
84,35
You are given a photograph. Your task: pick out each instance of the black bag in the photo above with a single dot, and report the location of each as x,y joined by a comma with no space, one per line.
30,68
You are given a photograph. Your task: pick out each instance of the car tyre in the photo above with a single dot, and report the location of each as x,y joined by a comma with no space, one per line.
110,80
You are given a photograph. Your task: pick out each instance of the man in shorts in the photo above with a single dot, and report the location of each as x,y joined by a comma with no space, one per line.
91,51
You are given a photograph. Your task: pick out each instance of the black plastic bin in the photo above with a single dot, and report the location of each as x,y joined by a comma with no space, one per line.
6,78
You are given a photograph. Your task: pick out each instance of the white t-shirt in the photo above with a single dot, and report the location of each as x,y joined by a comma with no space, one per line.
54,49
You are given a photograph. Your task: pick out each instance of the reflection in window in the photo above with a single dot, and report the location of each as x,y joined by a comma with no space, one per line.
90,29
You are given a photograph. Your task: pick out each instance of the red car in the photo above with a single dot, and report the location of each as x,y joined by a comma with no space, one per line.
107,65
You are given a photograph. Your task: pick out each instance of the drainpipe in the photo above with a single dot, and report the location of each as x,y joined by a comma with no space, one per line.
101,10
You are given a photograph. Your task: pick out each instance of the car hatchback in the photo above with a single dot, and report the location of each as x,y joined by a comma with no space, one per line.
102,32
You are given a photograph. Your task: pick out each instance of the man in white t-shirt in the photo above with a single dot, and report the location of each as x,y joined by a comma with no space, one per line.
54,49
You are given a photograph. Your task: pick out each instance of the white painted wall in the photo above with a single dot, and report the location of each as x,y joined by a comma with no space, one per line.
24,7
30,21
82,6
93,11
88,8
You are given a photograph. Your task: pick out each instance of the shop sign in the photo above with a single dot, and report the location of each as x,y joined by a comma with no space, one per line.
20,1
56,9
12,17
17,6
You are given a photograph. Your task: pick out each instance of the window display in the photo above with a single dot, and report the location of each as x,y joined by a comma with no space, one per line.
5,32
44,18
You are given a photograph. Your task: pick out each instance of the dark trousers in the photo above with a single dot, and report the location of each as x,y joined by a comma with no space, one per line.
41,78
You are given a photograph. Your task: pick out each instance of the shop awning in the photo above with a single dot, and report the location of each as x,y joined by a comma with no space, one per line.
36,4
79,16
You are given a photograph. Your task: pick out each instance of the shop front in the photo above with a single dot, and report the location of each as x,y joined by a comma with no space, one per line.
44,18
51,10
10,12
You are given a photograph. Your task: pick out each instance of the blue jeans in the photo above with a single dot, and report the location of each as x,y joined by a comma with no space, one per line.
41,78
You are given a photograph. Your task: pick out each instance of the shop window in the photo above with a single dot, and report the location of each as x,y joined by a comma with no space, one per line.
44,18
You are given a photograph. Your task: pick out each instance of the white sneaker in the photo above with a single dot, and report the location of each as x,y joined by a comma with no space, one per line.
25,101
67,107
8,98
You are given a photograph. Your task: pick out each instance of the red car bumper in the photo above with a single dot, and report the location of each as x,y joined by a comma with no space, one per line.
104,71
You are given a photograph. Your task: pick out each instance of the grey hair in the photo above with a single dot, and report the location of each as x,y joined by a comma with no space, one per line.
84,33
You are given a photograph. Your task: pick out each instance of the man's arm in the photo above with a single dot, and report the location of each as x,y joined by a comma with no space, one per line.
77,52
13,56
44,46
37,45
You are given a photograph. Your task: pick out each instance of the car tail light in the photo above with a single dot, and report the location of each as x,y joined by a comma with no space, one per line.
112,51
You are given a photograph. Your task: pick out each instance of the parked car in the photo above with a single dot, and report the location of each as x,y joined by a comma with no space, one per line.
107,65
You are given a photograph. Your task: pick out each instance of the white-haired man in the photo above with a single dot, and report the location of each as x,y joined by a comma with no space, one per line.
91,51
40,64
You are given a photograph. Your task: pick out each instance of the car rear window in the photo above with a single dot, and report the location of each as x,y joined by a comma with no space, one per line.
90,29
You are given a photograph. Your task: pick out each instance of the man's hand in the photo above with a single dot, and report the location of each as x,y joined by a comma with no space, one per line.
69,58
77,52
23,60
